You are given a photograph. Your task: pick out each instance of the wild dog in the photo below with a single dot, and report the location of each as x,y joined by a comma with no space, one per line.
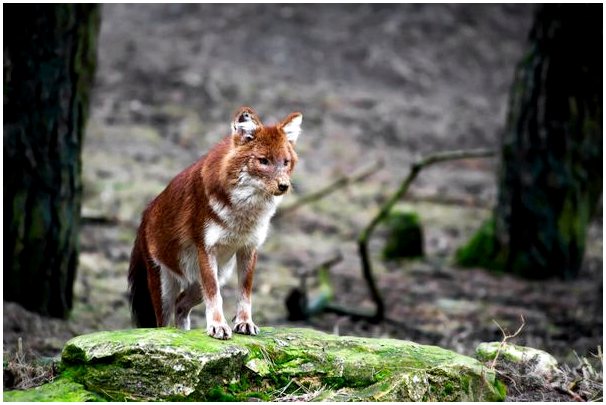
211,218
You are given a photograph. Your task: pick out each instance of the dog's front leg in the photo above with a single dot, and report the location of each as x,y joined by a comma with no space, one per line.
216,326
246,261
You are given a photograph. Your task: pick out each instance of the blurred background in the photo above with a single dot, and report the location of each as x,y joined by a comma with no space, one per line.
375,83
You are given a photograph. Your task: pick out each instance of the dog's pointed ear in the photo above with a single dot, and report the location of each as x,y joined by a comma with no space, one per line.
245,123
292,126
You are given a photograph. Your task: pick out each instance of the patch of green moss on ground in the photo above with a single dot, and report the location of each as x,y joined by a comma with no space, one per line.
60,390
239,391
405,236
482,250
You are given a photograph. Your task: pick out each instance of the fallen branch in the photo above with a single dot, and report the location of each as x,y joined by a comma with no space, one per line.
297,300
366,233
339,183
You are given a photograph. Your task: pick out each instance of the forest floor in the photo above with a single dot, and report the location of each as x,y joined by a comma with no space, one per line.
375,83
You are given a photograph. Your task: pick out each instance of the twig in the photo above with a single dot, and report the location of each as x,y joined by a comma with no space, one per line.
20,356
506,337
366,233
353,313
511,379
341,182
448,200
576,397
320,271
328,263
280,392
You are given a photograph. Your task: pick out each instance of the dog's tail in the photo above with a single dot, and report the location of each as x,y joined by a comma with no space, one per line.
141,304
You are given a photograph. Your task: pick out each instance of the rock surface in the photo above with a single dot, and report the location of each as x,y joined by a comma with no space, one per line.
535,361
169,364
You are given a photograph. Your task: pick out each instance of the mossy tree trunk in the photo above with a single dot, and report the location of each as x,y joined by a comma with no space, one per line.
49,64
550,179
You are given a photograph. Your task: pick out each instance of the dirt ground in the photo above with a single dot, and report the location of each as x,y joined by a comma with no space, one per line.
374,82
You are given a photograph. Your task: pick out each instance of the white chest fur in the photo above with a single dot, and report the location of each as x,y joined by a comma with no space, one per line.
245,223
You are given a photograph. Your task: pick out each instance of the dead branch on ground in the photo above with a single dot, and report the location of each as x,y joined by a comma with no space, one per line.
364,236
385,209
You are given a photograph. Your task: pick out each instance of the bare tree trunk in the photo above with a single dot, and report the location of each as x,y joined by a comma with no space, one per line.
550,180
49,64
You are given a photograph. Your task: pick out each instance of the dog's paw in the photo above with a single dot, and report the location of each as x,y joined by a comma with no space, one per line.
246,328
218,330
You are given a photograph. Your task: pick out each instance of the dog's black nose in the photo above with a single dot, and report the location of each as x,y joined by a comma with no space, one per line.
282,187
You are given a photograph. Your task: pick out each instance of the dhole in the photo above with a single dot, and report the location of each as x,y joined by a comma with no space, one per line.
212,217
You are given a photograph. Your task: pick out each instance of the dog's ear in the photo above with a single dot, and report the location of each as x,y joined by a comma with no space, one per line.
245,123
292,126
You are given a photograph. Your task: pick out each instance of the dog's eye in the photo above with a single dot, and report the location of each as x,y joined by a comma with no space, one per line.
263,161
286,162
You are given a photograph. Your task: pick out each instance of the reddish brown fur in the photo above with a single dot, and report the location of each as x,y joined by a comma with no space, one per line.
177,217
248,276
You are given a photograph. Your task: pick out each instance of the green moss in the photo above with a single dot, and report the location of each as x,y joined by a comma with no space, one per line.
572,225
482,250
242,390
219,395
501,388
405,236
60,390
169,364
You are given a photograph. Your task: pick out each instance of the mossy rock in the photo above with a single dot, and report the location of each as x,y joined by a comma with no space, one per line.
535,361
168,364
405,236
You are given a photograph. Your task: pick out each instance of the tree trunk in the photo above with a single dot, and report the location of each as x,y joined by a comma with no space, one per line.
49,64
550,180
